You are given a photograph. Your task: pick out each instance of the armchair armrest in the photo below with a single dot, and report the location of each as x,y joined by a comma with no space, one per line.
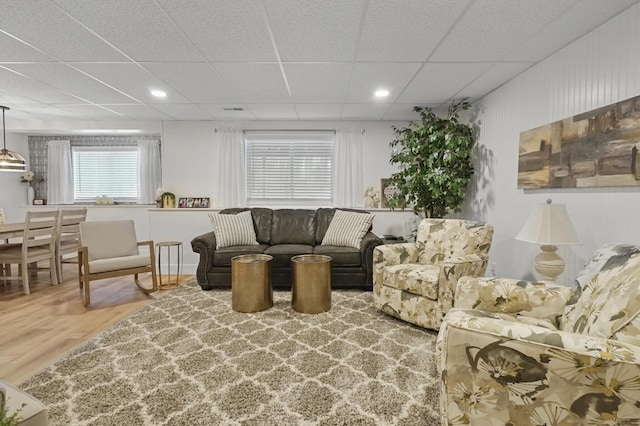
512,296
205,245
504,372
392,254
451,270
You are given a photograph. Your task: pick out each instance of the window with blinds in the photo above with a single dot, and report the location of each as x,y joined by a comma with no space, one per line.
289,167
110,171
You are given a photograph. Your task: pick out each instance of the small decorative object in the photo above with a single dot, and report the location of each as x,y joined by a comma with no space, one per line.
30,178
159,193
39,202
193,203
389,189
369,198
168,200
104,200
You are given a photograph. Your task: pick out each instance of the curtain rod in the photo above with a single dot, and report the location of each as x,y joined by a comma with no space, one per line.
288,130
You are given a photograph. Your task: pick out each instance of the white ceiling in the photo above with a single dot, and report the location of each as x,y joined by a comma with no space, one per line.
274,59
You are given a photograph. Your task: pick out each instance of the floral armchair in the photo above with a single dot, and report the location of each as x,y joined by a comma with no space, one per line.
416,281
521,353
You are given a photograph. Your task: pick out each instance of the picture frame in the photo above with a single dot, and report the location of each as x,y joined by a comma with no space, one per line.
194,203
39,201
388,188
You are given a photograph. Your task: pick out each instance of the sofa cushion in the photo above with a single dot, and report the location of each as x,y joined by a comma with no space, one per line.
323,220
293,226
347,229
413,278
282,253
610,301
262,219
222,257
343,256
233,229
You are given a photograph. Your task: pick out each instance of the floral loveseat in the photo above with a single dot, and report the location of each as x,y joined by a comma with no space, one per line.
416,281
521,353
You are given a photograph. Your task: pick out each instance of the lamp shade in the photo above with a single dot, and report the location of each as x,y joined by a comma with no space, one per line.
549,224
10,161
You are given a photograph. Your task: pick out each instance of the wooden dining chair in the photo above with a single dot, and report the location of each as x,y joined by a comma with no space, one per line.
38,244
68,239
4,269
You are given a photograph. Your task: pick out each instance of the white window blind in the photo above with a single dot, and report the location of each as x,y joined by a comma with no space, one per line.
110,171
289,167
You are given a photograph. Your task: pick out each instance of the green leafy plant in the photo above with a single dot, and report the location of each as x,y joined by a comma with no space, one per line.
7,419
434,155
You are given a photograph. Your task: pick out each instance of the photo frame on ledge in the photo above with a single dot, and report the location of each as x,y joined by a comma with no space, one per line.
39,201
193,203
388,188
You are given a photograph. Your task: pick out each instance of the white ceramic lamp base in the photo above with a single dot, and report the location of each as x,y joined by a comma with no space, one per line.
548,263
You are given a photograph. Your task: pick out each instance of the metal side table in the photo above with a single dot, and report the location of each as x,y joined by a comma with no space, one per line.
179,252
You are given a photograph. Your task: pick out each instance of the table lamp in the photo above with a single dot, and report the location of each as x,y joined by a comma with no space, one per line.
550,226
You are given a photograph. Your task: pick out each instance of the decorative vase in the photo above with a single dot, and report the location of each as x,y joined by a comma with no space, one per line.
30,195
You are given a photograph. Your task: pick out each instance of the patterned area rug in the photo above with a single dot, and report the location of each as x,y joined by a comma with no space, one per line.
188,359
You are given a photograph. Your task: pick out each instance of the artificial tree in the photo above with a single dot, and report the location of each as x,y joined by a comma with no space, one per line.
434,156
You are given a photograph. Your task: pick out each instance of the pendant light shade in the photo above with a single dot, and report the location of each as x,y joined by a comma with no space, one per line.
10,161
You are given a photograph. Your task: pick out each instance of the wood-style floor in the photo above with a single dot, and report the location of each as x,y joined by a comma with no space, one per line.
41,328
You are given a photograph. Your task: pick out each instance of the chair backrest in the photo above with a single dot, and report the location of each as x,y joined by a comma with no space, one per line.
440,239
69,232
109,239
609,301
40,230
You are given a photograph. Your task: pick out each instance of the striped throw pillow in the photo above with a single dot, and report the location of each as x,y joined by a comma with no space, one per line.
347,229
233,229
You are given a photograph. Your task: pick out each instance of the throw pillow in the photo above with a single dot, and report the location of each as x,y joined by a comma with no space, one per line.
347,229
233,229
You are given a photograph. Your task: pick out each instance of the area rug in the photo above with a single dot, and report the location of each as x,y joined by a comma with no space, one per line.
189,359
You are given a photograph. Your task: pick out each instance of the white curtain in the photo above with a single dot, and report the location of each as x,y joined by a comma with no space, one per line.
349,172
149,169
59,173
229,177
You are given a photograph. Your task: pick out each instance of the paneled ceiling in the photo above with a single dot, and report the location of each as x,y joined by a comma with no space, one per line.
272,59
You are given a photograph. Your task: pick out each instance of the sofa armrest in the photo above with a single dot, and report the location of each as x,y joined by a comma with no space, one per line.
369,242
205,245
512,296
514,373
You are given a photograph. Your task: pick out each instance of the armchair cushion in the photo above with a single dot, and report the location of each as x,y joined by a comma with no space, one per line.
117,263
518,297
413,278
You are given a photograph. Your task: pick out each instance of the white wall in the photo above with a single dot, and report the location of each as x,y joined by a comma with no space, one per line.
596,70
13,192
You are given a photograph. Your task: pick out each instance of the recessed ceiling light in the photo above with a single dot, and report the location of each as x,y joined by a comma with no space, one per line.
382,93
159,93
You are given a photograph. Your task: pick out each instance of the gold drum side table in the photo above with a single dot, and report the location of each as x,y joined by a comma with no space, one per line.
311,286
251,288
168,244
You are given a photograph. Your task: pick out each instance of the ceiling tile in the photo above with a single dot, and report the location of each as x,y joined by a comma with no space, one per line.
133,80
364,111
319,111
255,83
495,76
366,78
49,29
80,112
491,29
71,81
436,83
405,112
224,31
12,50
273,111
319,82
197,81
21,85
138,112
407,33
184,112
143,31
315,30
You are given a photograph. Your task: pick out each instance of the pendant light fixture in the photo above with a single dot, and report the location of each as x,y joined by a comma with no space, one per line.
10,161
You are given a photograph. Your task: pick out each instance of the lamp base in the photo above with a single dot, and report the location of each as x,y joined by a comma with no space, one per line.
548,263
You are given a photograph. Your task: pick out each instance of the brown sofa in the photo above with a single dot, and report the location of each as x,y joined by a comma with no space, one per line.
284,233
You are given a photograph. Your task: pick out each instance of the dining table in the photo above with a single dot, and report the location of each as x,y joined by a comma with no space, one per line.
11,230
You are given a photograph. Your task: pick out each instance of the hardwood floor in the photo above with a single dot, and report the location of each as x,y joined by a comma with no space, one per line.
39,329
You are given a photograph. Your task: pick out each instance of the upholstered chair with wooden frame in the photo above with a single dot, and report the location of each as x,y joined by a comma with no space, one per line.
110,249
38,244
68,240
